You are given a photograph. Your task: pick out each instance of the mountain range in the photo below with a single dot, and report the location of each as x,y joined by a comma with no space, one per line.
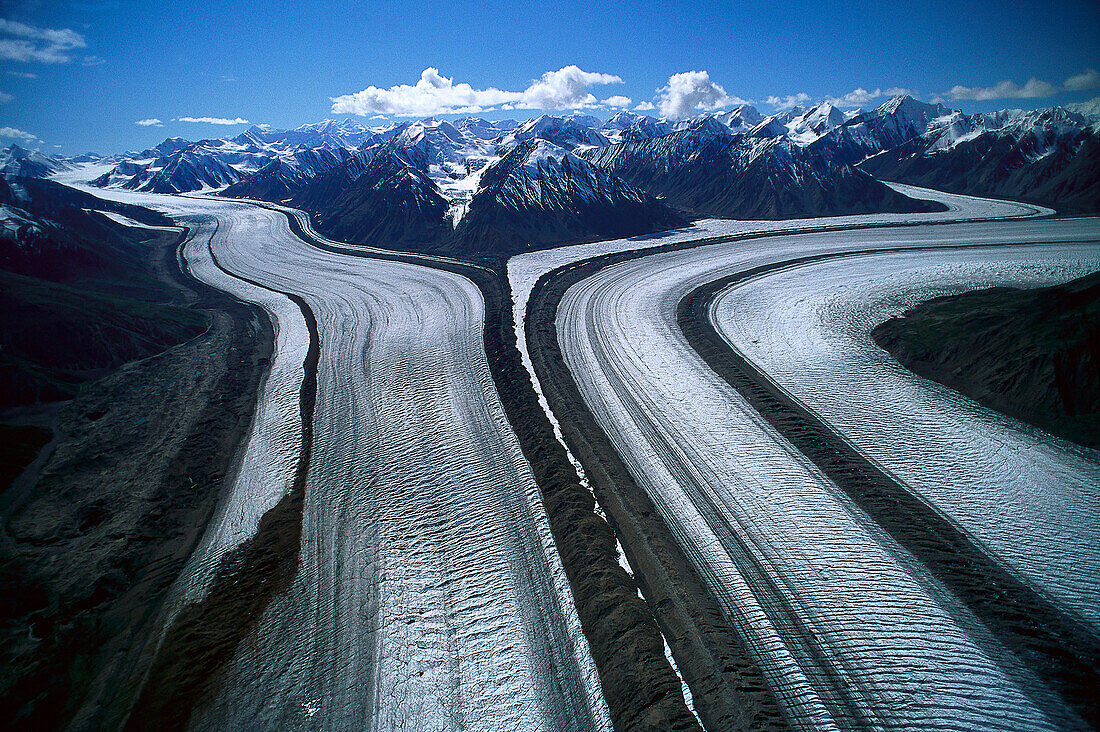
474,186
1049,156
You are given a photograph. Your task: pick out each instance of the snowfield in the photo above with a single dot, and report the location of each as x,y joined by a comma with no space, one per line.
850,628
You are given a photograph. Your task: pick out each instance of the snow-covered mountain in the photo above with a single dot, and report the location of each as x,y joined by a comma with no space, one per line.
536,194
179,166
742,119
815,122
415,183
894,123
541,194
710,170
1089,110
570,132
1049,156
285,174
16,160
643,128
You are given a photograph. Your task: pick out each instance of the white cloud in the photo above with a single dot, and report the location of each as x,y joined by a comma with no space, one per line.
644,107
150,122
789,101
1034,88
861,97
22,42
13,133
690,91
566,88
1087,79
22,74
5,97
213,120
432,94
618,101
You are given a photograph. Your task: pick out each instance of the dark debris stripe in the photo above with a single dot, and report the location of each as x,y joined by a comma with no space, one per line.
191,661
1056,646
641,689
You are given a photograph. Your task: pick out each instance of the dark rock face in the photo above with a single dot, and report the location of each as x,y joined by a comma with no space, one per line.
77,293
1031,354
58,234
525,205
280,179
1058,170
709,171
390,204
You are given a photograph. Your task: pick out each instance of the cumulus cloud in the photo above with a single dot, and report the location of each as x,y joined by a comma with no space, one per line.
566,88
150,122
13,133
861,97
690,91
789,101
1087,79
1034,88
22,42
213,120
433,94
618,101
644,107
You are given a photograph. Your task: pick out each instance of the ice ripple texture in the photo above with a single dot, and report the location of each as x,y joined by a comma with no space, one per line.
1031,499
429,594
850,628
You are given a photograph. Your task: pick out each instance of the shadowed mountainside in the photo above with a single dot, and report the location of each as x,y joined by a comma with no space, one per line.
1031,354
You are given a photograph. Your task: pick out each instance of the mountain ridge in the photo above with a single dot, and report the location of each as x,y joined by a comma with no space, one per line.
425,177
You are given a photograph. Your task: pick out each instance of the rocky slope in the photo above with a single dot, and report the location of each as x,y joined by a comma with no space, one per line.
541,195
77,291
1032,354
1048,156
708,170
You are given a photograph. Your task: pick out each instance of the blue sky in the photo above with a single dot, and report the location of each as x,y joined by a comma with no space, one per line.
81,74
